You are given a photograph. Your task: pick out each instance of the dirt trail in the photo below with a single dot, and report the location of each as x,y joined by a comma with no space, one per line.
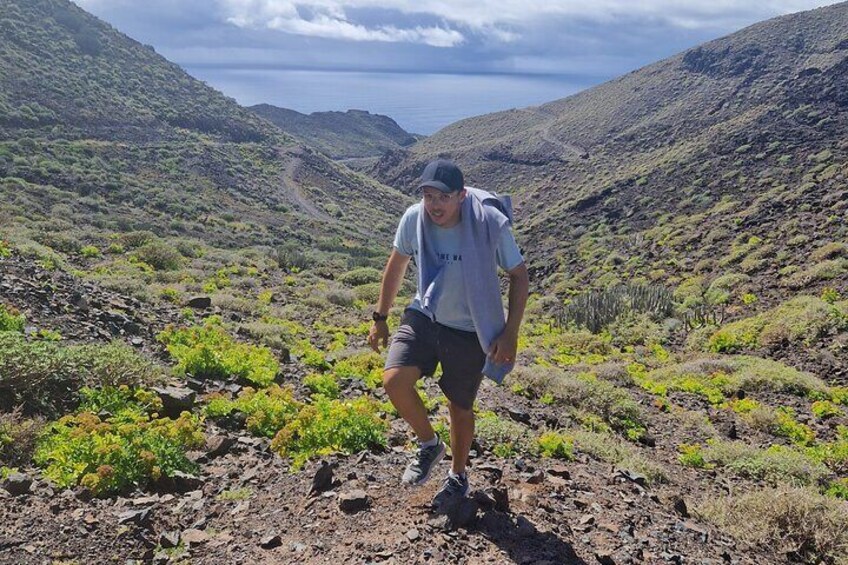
567,149
294,190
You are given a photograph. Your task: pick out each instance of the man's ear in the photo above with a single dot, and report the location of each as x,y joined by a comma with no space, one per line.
462,194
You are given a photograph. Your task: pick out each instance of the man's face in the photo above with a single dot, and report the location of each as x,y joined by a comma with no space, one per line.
443,208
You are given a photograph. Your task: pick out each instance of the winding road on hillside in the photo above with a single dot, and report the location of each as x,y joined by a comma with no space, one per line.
545,133
294,191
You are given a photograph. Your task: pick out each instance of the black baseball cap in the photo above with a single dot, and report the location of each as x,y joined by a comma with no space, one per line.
443,175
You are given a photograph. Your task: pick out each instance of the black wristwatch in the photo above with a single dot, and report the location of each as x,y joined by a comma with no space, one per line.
377,317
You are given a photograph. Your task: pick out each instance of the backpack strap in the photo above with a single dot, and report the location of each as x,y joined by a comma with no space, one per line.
503,203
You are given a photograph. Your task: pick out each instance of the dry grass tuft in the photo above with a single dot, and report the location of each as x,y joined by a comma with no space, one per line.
798,522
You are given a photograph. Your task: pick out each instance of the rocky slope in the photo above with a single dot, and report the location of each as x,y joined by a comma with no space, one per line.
354,134
246,505
667,170
100,131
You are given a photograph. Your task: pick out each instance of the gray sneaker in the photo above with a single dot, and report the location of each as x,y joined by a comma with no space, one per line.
453,488
418,471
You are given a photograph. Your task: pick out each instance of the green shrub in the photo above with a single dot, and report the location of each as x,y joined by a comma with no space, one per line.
367,367
554,444
310,355
838,489
791,521
90,251
132,240
11,320
209,352
804,319
743,405
755,373
340,297
235,494
724,287
703,378
824,409
616,452
5,249
776,464
584,392
368,293
130,448
691,456
322,383
726,375
636,329
834,454
18,437
123,403
160,256
267,410
690,292
45,377
786,426
361,276
171,295
825,270
508,437
331,426
830,295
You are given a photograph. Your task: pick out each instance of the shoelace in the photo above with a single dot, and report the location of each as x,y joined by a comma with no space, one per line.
454,484
423,453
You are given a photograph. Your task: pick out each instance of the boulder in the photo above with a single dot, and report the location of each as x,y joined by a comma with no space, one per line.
200,302
218,445
353,501
169,540
270,541
17,484
137,517
176,400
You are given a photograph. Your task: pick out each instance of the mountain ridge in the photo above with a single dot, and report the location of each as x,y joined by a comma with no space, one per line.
340,135
666,139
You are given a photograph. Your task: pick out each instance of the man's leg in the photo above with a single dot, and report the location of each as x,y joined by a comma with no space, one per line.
400,386
462,434
399,383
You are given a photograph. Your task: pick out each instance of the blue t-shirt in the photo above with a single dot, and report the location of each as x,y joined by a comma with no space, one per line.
452,307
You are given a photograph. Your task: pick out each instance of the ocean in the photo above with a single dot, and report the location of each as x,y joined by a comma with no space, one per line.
419,102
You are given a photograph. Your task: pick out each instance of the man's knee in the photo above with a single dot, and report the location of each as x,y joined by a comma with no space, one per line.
400,378
457,411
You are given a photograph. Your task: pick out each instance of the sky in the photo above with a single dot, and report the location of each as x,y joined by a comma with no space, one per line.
425,63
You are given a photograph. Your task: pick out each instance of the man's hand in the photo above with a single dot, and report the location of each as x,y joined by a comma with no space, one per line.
504,348
379,332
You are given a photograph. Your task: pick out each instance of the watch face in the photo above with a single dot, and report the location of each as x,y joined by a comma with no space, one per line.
377,317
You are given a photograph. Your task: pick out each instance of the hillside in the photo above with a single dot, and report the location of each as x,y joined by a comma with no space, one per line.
185,300
100,135
340,135
669,172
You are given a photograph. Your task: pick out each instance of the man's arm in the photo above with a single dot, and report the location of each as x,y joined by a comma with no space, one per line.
392,279
505,346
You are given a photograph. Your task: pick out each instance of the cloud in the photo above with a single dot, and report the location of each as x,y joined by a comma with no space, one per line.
500,20
327,26
331,20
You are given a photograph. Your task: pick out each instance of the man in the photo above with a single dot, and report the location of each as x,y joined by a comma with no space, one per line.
458,241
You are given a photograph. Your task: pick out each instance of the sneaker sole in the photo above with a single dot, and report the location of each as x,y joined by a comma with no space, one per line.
435,462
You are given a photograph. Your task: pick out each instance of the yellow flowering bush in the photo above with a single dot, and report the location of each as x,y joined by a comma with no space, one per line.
130,447
209,352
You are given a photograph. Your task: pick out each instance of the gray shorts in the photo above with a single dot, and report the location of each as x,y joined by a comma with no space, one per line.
420,342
